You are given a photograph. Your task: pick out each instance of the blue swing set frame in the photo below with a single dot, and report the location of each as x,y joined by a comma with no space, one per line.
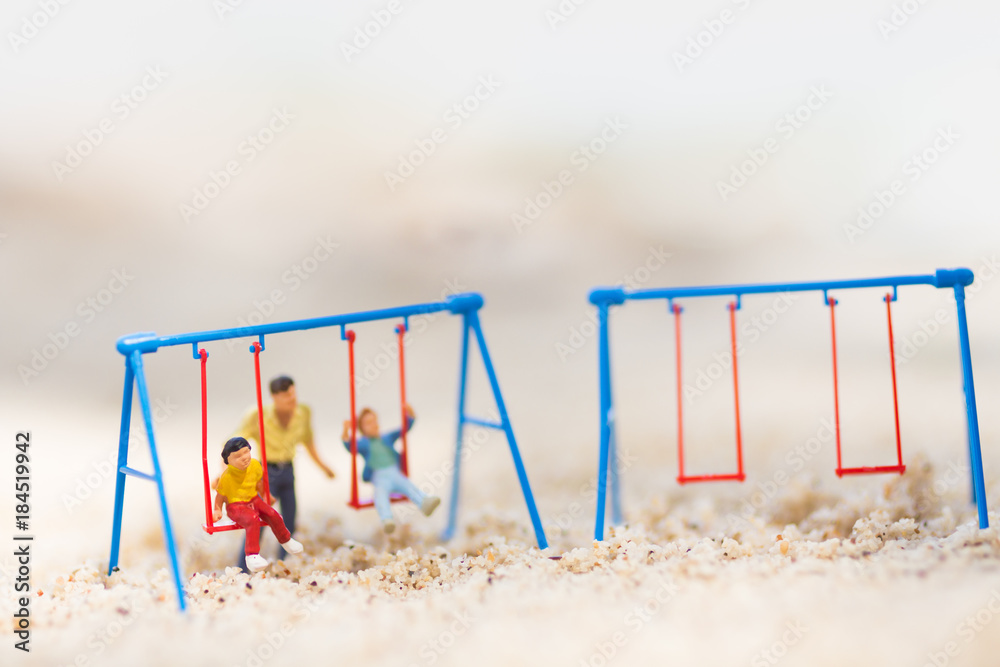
605,297
134,346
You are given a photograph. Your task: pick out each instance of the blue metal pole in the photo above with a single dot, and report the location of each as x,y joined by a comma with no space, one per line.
463,373
604,362
975,452
168,533
522,476
617,516
123,437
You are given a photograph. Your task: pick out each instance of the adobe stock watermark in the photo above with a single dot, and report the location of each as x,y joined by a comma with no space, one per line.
900,15
562,12
432,482
296,275
121,108
247,151
86,312
637,618
454,117
579,160
795,461
371,368
750,333
271,642
786,127
712,30
587,494
580,333
100,640
909,344
367,32
33,24
772,655
913,168
224,8
474,439
433,649
965,632
107,468
931,500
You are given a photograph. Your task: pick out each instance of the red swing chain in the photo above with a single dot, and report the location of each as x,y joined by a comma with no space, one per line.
736,393
895,394
403,461
354,420
203,355
836,387
260,420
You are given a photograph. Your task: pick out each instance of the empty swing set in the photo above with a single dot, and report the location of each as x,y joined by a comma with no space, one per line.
604,298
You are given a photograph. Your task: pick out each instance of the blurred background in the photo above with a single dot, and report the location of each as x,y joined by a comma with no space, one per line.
200,165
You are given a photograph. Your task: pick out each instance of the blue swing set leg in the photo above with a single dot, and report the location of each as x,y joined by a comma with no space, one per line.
134,376
470,323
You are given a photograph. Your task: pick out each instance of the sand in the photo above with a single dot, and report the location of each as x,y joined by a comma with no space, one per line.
893,574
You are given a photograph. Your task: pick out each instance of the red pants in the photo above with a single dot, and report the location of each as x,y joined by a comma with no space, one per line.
247,515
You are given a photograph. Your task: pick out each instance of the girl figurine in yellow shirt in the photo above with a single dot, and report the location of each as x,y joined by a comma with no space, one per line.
240,488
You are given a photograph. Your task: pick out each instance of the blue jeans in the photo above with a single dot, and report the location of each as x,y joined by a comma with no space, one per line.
281,480
391,480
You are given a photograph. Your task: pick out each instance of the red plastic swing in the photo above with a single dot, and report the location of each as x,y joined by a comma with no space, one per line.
683,478
841,470
226,523
403,462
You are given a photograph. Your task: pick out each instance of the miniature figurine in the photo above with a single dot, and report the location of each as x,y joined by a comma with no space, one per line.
286,424
382,466
240,489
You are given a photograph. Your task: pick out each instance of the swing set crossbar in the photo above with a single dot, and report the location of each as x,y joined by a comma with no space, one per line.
604,298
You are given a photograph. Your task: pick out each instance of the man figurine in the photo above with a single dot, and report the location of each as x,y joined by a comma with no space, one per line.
240,488
382,466
286,424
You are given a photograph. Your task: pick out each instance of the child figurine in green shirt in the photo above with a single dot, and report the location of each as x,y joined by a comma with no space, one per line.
382,466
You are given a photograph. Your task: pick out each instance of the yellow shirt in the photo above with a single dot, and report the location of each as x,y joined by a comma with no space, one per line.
240,486
280,440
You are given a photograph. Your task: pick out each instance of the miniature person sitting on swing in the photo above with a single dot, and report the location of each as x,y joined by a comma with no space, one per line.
382,466
241,488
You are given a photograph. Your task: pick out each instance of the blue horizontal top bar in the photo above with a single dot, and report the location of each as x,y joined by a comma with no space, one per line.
150,342
618,295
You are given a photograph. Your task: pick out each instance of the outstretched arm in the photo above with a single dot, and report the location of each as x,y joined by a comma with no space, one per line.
311,448
391,437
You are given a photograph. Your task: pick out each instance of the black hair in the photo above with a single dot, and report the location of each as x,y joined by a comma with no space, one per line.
232,446
281,384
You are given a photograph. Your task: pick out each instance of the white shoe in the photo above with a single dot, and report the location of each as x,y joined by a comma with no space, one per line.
388,526
429,505
256,563
292,546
